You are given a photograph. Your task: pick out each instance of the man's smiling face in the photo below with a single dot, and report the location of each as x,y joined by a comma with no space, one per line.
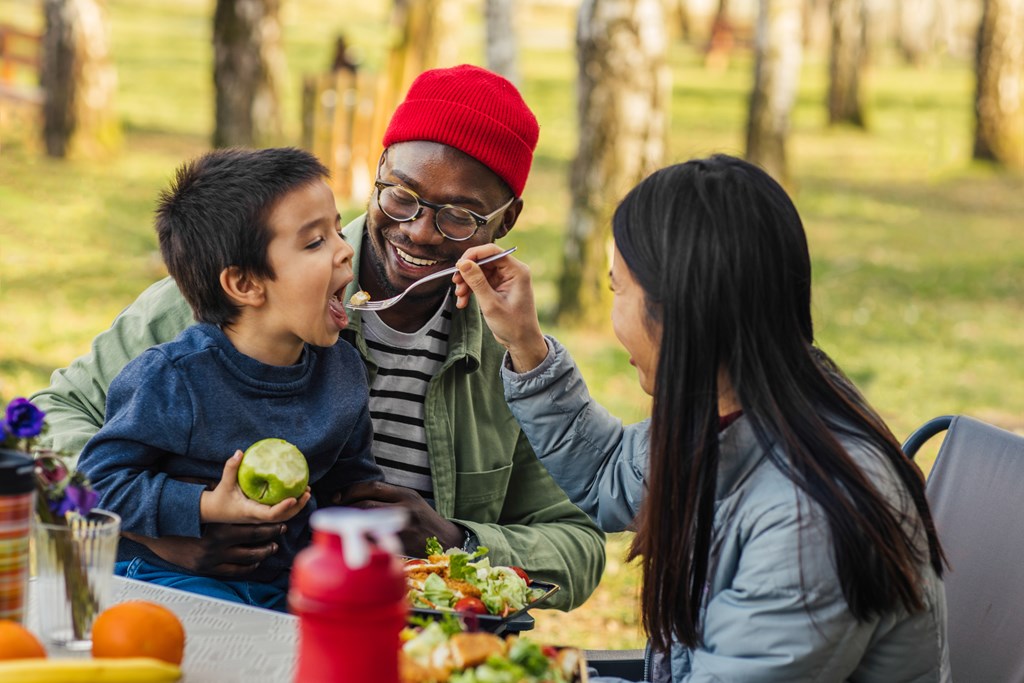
399,253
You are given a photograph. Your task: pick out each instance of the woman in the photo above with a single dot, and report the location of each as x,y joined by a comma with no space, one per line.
783,535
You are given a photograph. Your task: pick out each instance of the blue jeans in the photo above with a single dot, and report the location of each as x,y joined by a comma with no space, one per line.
268,595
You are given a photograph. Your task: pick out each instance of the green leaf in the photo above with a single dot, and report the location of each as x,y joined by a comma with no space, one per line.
434,546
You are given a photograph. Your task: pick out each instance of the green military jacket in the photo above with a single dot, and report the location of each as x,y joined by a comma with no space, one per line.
485,474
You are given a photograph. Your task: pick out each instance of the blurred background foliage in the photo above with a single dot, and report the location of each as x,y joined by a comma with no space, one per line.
918,265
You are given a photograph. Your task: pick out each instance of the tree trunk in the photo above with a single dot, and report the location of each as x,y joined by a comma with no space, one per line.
622,104
424,36
78,78
999,98
817,27
248,69
847,58
502,51
685,21
777,57
57,76
916,30
722,40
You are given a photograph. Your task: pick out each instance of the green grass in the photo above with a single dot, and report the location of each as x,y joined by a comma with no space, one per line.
918,265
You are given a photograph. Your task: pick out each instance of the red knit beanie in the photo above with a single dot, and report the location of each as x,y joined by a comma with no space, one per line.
475,111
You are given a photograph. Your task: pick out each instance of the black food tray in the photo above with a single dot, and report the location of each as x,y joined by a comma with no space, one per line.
492,623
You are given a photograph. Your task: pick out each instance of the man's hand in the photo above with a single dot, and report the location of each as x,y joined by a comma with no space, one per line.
424,521
226,550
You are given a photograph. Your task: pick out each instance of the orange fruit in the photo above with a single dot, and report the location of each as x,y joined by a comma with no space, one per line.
138,628
17,642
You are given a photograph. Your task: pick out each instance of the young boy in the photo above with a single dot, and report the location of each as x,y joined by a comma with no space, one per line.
253,240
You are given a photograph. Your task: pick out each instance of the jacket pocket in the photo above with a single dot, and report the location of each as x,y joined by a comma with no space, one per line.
479,496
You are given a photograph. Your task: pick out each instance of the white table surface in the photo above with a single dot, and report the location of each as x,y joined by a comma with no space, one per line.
225,642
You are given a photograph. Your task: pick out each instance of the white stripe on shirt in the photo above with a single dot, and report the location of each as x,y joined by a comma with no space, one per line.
406,362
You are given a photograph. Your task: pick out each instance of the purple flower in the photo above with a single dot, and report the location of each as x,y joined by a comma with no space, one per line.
77,499
23,420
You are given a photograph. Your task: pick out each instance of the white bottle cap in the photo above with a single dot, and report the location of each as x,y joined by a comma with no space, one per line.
355,525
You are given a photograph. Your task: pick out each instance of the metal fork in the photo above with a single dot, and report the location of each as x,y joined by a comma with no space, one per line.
388,303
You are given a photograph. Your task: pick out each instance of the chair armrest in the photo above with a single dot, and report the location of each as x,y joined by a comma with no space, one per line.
627,664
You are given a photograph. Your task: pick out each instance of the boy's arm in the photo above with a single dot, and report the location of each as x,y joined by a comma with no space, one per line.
149,418
75,401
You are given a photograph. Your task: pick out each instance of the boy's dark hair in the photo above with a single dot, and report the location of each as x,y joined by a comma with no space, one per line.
214,215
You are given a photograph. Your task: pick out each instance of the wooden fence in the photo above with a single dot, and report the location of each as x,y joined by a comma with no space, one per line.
19,65
343,122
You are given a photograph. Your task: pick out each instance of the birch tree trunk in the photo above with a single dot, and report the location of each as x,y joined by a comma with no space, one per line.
777,58
79,79
916,30
817,26
999,97
502,50
622,105
847,58
248,70
424,35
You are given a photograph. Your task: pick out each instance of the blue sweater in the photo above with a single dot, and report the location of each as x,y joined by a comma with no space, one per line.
176,413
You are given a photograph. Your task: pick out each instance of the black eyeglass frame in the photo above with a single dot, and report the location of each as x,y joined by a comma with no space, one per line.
481,221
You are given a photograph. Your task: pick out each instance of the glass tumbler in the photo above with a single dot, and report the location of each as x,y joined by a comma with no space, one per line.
74,570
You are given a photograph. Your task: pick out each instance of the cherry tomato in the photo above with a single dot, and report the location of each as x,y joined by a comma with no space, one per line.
470,604
550,651
522,574
413,562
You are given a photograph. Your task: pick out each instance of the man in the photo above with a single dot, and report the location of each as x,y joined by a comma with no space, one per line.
457,154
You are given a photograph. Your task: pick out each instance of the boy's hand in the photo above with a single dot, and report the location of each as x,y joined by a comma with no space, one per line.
227,503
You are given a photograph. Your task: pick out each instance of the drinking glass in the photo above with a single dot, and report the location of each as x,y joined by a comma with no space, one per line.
73,576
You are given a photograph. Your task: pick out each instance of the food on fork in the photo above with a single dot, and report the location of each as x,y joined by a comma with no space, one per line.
360,298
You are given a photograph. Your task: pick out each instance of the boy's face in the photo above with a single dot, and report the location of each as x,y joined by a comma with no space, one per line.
312,266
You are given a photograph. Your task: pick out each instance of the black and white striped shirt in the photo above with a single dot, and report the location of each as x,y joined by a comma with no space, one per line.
406,362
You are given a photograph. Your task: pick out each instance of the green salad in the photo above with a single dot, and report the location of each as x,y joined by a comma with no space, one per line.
439,652
467,582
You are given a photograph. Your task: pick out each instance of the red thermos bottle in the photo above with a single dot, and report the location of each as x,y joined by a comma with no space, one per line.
348,590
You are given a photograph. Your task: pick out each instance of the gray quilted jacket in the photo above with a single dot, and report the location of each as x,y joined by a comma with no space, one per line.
774,610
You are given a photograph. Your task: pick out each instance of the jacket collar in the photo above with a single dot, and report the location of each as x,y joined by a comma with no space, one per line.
739,453
465,340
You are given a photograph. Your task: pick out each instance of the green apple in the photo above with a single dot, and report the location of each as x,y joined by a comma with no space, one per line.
272,470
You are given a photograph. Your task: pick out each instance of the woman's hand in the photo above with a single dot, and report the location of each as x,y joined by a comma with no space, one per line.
227,503
505,295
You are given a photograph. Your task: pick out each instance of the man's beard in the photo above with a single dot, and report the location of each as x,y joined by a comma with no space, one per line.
378,261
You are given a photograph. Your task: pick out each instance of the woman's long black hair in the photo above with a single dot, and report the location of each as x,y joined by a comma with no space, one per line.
721,255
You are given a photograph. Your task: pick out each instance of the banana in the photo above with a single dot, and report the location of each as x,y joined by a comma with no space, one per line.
105,670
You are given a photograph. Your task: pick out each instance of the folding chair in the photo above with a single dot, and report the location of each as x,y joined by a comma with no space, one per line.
975,491
626,664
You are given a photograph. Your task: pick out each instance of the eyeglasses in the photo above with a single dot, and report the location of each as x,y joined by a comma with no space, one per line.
454,222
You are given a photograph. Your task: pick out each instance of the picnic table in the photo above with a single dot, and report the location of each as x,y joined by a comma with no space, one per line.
225,642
